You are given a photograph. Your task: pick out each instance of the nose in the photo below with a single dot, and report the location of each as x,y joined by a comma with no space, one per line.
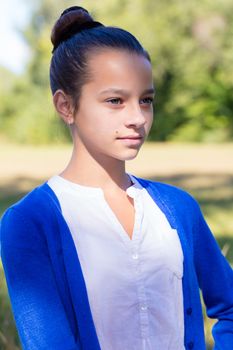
136,117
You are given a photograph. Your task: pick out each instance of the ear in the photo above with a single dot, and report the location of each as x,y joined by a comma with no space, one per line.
63,105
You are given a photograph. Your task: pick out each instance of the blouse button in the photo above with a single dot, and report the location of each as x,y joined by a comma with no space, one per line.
189,311
143,307
135,256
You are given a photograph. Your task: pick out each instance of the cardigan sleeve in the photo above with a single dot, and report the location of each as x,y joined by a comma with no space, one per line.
40,317
215,277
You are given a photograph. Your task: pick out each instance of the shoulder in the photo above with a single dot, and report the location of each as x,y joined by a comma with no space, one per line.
33,211
166,191
38,198
178,205
175,199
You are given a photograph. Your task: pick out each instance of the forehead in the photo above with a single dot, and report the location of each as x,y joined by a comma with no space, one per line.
119,67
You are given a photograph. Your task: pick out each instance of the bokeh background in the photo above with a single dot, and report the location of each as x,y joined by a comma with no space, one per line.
190,144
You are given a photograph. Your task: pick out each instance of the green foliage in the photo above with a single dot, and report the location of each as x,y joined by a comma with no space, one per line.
190,44
28,115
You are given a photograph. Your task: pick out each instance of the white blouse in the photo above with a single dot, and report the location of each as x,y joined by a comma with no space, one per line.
134,286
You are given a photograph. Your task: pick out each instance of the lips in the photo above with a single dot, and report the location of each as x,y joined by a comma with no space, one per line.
131,137
131,141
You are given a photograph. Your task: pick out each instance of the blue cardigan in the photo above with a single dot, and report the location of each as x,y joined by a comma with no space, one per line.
47,288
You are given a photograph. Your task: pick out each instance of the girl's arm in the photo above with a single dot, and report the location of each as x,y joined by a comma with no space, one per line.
215,277
40,317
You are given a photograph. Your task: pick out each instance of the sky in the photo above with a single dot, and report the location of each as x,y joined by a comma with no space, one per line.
13,50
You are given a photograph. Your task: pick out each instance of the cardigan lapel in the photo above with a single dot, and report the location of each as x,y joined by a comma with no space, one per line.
155,190
78,292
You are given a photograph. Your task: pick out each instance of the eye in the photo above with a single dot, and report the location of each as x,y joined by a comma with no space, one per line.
114,101
147,100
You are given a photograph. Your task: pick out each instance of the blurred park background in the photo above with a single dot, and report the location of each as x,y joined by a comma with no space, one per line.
190,144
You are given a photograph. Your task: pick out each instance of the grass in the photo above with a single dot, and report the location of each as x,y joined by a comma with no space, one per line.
203,170
8,335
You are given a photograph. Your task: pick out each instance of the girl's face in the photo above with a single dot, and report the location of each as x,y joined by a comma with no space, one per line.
115,108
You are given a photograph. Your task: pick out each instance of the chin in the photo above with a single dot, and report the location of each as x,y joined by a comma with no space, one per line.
131,155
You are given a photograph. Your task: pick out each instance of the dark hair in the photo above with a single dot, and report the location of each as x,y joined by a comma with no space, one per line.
74,36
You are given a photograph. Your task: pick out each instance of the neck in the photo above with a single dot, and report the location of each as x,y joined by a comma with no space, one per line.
99,171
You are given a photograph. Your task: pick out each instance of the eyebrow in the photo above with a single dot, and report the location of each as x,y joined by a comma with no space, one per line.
125,92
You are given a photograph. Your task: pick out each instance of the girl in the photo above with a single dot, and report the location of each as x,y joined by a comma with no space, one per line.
96,258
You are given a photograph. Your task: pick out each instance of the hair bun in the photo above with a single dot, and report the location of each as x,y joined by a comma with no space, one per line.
71,21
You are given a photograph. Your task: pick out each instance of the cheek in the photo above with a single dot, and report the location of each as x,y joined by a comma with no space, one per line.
98,128
149,123
106,124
